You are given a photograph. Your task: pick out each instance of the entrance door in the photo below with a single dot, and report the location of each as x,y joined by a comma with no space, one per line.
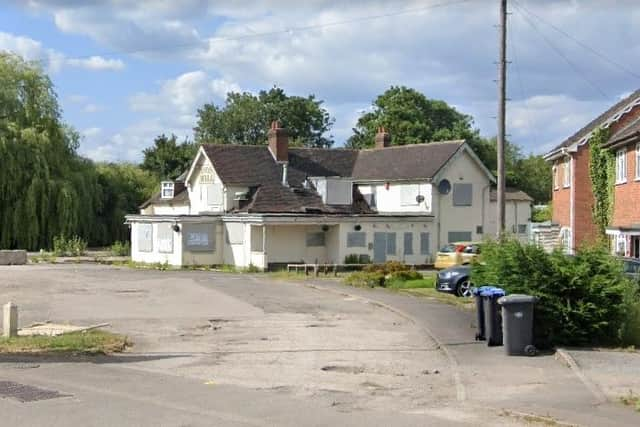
379,247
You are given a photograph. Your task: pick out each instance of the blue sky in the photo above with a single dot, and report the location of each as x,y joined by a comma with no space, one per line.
126,71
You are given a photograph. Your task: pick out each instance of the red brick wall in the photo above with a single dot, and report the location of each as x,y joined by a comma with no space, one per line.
560,199
627,196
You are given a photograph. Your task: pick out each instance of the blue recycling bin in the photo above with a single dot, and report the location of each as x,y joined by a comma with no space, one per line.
492,315
477,294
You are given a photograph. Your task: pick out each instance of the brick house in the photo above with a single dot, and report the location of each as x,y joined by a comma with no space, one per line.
572,196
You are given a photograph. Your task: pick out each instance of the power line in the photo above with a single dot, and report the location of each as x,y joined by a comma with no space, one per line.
575,68
578,42
285,31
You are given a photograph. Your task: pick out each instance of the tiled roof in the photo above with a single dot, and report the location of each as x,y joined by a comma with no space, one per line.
512,194
631,129
601,120
404,161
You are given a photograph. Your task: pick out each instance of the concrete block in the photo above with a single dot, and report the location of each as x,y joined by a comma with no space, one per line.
16,257
10,320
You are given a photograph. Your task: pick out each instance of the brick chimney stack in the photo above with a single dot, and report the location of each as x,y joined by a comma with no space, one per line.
383,139
278,142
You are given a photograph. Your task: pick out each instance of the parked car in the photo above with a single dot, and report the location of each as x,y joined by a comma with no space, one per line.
455,280
631,268
457,253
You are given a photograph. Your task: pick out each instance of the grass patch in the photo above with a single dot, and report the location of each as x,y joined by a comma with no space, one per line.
426,282
432,293
631,399
89,342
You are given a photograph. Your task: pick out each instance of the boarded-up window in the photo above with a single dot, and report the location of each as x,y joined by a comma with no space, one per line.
235,233
214,194
391,243
165,238
462,194
356,239
408,194
199,237
145,237
459,236
425,247
257,238
408,243
315,239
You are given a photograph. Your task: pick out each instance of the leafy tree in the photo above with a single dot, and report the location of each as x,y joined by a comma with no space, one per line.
166,158
245,119
412,118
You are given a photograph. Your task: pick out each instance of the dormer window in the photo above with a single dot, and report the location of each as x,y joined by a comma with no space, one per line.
166,189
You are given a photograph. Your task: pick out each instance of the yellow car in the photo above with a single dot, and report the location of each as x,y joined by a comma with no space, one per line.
456,253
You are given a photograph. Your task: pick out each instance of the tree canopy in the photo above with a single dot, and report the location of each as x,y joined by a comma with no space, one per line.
245,118
167,158
46,188
411,118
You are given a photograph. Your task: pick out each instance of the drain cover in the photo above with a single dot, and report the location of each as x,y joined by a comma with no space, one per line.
27,393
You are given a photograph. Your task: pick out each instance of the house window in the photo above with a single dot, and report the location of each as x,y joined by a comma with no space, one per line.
165,238
462,194
621,245
555,178
408,243
315,239
391,243
566,173
621,167
167,190
145,237
424,244
638,161
459,236
565,240
356,239
522,228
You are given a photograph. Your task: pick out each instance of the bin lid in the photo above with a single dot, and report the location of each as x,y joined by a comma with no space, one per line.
481,289
517,299
492,291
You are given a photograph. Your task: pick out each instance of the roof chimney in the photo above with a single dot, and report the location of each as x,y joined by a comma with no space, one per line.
383,139
278,142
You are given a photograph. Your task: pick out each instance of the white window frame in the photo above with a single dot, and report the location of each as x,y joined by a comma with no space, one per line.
167,189
638,161
621,166
566,173
556,181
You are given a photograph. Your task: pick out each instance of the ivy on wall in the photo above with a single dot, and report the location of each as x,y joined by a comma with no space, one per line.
602,173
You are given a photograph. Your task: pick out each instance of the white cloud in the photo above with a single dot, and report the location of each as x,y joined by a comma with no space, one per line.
97,63
53,60
91,132
92,108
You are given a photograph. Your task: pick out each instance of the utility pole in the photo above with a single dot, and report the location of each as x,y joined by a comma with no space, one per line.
502,93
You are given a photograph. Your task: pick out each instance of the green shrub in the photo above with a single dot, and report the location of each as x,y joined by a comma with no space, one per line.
74,246
387,268
365,279
404,275
121,248
583,299
352,259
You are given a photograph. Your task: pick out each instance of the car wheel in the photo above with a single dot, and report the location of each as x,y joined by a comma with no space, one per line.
464,288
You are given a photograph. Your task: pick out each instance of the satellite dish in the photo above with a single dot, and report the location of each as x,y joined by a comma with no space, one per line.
419,198
444,186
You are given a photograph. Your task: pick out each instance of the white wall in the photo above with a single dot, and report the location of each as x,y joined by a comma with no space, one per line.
287,243
197,190
169,210
462,169
516,212
389,200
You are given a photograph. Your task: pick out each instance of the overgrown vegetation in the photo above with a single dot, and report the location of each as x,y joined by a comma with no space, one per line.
74,246
88,342
602,173
583,299
631,399
389,274
121,248
541,213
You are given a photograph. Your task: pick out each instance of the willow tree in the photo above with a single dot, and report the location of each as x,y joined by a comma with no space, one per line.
45,188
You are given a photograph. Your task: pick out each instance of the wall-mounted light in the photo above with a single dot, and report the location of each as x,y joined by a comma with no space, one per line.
325,228
357,227
387,185
176,228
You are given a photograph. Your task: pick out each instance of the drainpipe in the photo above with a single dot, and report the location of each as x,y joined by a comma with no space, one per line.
284,175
